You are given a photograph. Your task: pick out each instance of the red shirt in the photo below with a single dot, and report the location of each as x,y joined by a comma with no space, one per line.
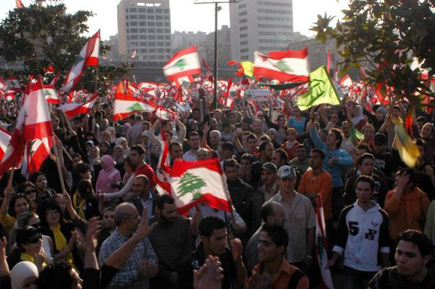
148,171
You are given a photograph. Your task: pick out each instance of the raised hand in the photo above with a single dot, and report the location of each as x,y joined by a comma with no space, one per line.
144,229
209,276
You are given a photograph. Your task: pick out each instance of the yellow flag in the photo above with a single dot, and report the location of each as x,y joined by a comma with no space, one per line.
248,68
408,150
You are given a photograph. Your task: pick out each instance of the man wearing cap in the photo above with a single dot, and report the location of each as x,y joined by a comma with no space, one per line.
300,221
262,195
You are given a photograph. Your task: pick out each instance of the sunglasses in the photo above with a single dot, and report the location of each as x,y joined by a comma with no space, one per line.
34,239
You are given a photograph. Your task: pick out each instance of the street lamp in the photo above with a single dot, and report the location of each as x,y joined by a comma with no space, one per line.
215,72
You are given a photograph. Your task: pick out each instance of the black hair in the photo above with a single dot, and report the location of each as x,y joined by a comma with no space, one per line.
263,146
35,176
365,179
23,185
277,233
365,156
267,210
338,136
209,224
46,205
15,197
282,154
251,136
419,239
144,179
227,146
82,188
193,133
365,147
231,163
319,152
412,175
164,199
79,169
138,148
248,157
56,276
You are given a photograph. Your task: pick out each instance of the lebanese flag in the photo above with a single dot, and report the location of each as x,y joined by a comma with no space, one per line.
5,138
13,83
133,55
228,101
35,154
322,247
163,170
51,94
19,4
183,63
87,57
37,121
126,104
74,109
283,65
164,113
199,182
346,81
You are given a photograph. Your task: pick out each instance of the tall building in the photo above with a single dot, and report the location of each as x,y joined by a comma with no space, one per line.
144,26
260,25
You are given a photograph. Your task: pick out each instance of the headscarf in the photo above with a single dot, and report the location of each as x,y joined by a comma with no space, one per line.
108,176
21,272
118,158
94,158
357,118
127,149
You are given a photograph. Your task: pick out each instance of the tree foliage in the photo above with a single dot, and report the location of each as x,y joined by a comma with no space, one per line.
386,37
39,36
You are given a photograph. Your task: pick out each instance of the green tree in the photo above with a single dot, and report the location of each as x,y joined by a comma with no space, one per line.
39,36
192,184
386,37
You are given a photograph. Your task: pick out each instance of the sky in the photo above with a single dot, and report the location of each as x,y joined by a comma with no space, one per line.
187,16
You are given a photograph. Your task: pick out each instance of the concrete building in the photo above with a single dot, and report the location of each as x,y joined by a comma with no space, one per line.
260,25
144,26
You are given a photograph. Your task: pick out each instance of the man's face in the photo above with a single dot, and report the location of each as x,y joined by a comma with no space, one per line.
133,220
360,152
301,153
276,159
168,213
176,152
268,177
104,123
291,135
252,144
214,138
367,166
196,115
378,148
231,173
426,132
194,142
135,157
217,115
226,154
331,139
345,127
245,165
217,242
109,220
257,126
315,160
202,155
268,152
267,250
409,260
233,118
368,133
139,186
363,192
278,216
286,185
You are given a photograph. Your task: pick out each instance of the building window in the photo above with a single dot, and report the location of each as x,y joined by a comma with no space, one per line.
134,37
243,13
142,30
243,20
133,30
167,43
143,51
133,9
167,30
152,50
160,44
244,43
159,17
159,10
151,24
133,23
142,23
243,28
159,30
152,44
151,30
243,35
159,24
244,50
167,17
160,37
133,16
141,10
150,17
143,37
142,17
151,37
166,10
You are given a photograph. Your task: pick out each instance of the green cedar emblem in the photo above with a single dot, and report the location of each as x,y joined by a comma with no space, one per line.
136,106
192,184
181,63
281,65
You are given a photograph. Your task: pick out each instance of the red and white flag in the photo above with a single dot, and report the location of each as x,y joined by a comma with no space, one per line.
13,83
5,138
36,152
163,170
88,57
346,81
199,182
183,63
322,247
51,94
133,55
165,113
74,109
283,65
19,4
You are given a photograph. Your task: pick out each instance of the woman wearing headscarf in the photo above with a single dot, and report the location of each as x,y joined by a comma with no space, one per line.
357,116
94,162
24,276
122,141
119,158
107,182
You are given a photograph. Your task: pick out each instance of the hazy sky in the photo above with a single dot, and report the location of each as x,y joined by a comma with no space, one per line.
186,16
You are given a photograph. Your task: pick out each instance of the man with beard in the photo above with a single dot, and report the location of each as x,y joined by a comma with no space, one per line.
413,253
171,241
108,222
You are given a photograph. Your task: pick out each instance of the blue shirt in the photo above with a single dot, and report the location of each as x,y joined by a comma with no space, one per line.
344,159
299,125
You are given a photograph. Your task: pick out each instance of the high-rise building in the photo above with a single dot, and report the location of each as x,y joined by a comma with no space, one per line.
144,26
260,25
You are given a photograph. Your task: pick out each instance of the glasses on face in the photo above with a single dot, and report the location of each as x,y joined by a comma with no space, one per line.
34,239
49,212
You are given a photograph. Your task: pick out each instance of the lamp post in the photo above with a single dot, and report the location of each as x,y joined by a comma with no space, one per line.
215,71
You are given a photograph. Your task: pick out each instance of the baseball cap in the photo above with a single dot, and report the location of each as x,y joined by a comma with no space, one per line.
286,172
271,167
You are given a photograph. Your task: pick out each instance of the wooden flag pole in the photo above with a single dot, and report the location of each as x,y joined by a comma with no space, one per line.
59,169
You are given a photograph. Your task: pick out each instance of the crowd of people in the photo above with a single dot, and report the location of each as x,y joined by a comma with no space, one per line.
111,228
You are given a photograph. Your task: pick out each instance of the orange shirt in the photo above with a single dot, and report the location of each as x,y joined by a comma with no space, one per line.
282,277
311,185
407,212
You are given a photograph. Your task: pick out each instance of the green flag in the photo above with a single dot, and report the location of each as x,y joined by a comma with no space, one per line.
321,90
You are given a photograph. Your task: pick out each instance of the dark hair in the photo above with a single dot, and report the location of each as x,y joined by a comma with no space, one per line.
338,136
365,179
174,143
128,162
22,187
15,197
300,146
251,136
248,157
79,169
193,133
277,233
227,146
319,152
82,188
35,176
263,146
365,156
56,275
108,209
231,163
138,148
49,204
164,199
209,224
226,124
420,142
282,154
417,238
267,210
365,147
412,175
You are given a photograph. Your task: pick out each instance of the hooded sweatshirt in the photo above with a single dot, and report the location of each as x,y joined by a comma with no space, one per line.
108,176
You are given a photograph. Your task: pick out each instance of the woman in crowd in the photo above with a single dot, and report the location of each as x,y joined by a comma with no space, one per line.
84,202
43,192
13,205
108,181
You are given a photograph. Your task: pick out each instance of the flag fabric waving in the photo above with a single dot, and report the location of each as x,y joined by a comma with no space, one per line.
88,57
408,150
13,83
183,63
199,182
5,138
322,246
282,65
74,109
36,152
322,90
51,94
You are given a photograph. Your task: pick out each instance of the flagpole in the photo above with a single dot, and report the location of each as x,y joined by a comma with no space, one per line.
59,169
96,79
